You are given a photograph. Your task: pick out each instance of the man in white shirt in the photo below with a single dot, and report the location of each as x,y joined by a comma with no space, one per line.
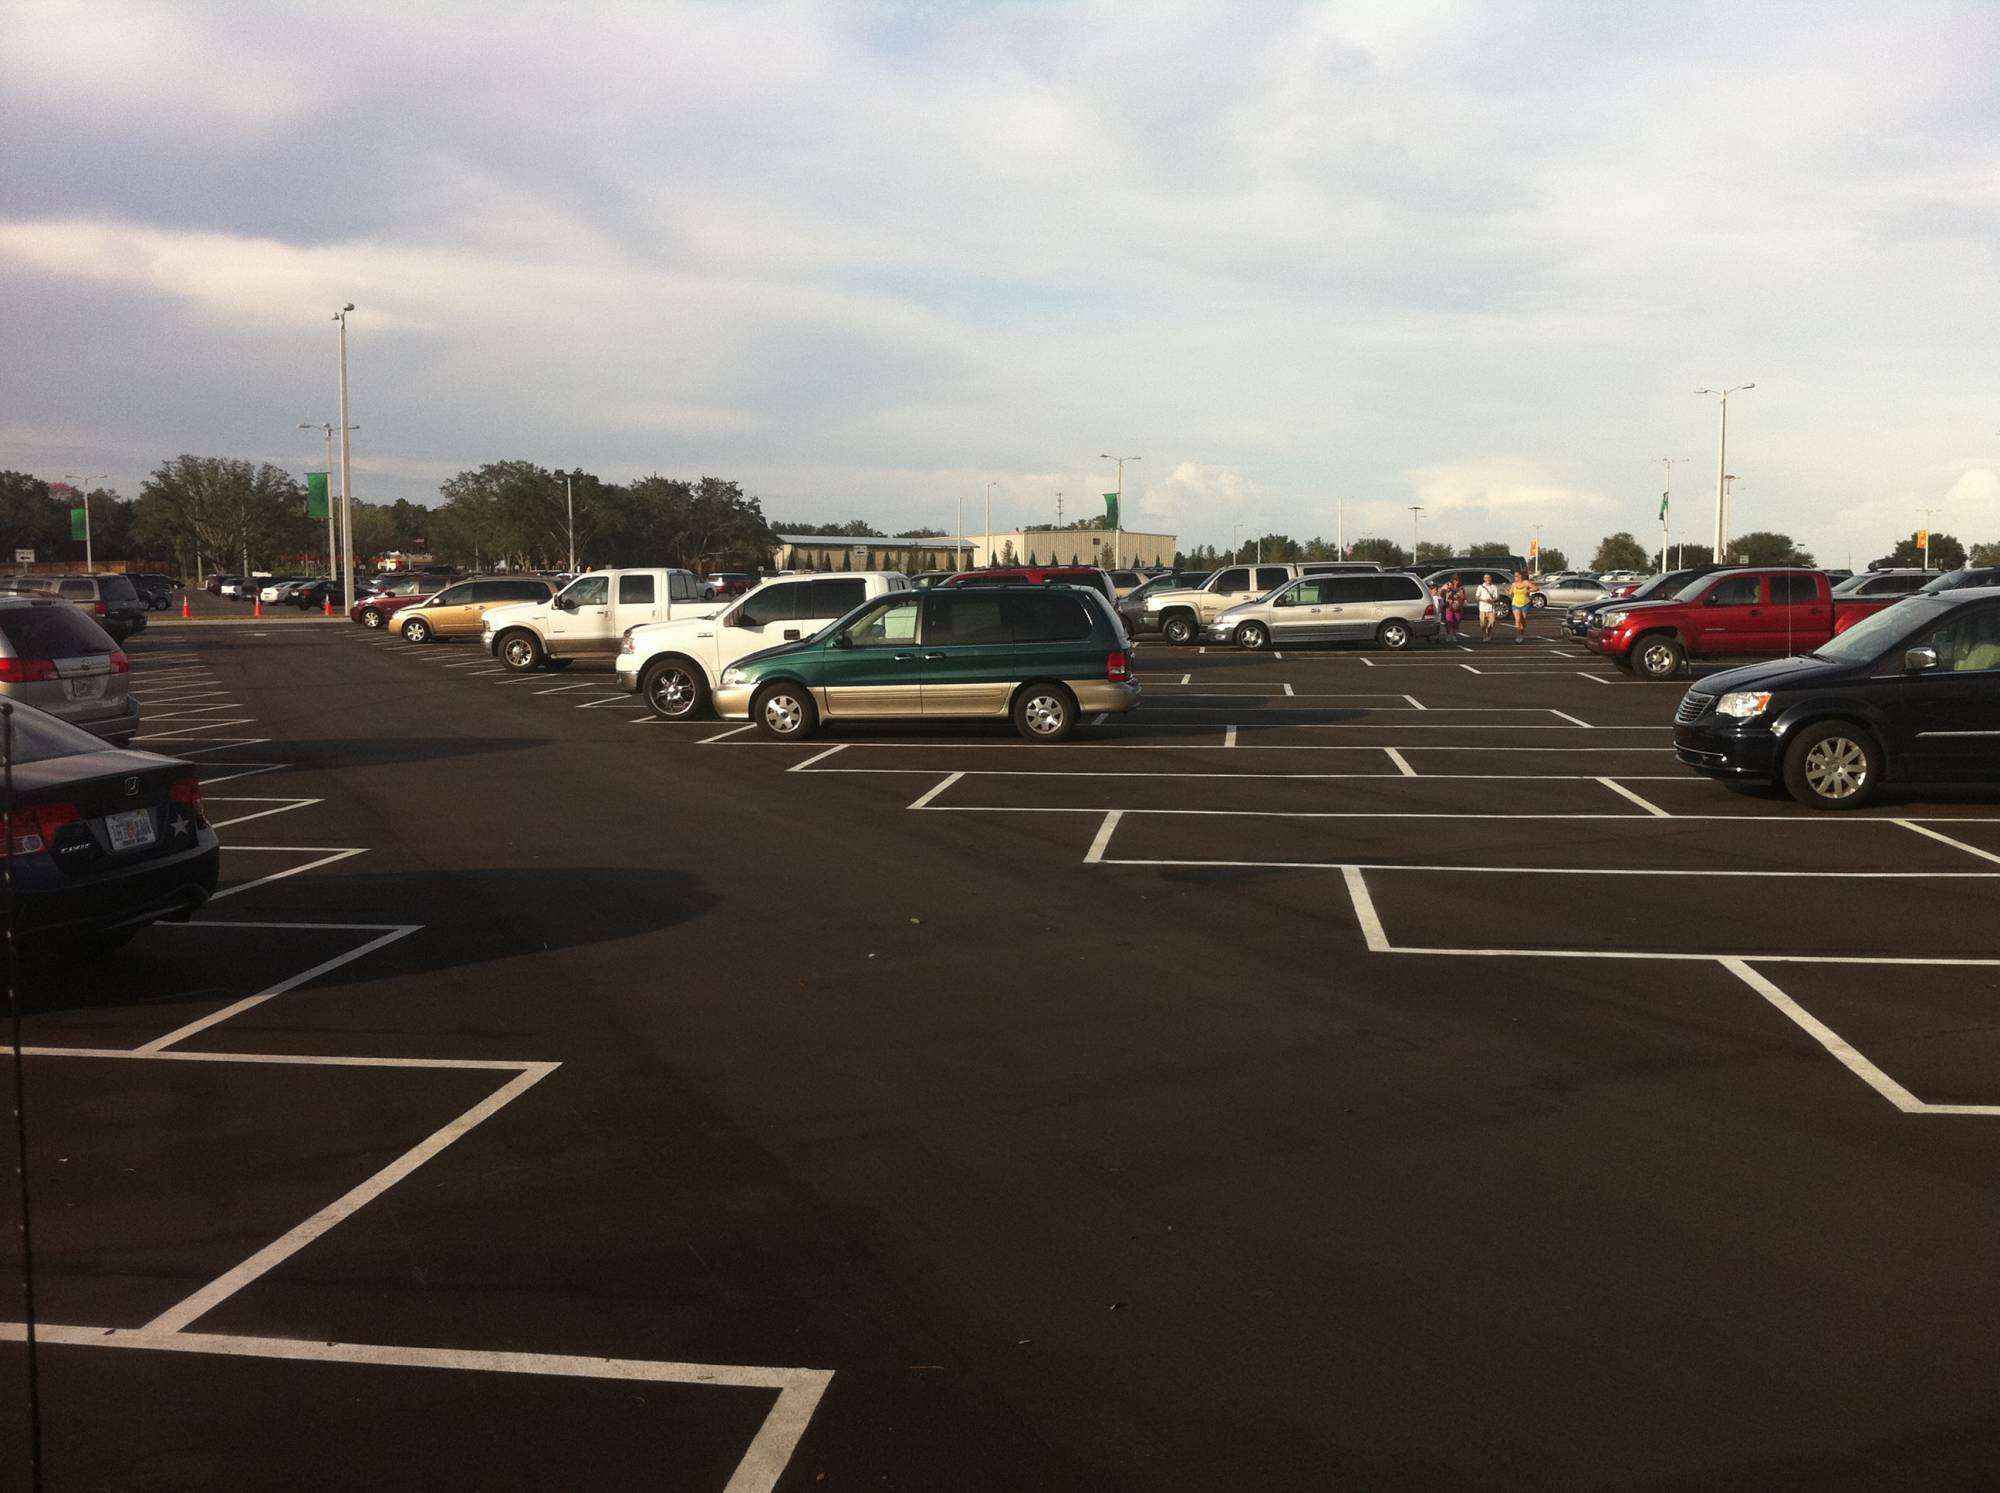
1488,596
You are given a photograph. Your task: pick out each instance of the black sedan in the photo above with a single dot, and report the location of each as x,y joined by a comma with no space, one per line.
101,841
1910,694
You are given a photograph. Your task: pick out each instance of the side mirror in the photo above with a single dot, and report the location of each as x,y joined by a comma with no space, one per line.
1917,660
843,641
732,618
564,604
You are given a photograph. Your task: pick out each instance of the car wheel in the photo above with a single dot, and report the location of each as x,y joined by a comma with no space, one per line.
1252,635
519,651
1178,629
371,618
674,689
784,711
708,593
1536,601
1833,765
1658,657
1393,634
416,630
1044,712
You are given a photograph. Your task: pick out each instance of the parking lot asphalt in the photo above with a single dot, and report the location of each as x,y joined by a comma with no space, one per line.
1355,1069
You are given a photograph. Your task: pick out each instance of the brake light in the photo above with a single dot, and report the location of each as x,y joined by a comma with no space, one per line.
27,670
1118,669
98,608
1430,609
34,829
120,664
187,791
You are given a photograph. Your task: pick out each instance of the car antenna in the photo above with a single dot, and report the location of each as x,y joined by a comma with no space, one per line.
28,1314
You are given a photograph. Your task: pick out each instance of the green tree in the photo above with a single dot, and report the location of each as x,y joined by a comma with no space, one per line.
1432,552
1489,549
1685,555
1947,553
853,528
221,510
1554,559
1621,551
920,534
1382,551
1986,554
1765,547
31,518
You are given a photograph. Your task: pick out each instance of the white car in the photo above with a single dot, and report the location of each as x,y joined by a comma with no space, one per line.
675,667
1569,591
589,616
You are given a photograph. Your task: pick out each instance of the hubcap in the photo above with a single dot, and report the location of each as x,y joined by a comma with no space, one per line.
1394,636
372,619
1836,767
783,714
518,653
1659,659
416,632
1251,637
1045,714
673,692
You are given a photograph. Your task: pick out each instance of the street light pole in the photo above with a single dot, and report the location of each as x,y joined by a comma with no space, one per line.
1118,529
346,467
958,555
569,501
1666,514
1722,468
332,552
1415,511
1929,514
989,526
82,485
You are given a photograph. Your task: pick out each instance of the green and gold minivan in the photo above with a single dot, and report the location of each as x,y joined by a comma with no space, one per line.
1043,655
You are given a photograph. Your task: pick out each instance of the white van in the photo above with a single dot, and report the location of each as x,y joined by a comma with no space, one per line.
675,666
587,617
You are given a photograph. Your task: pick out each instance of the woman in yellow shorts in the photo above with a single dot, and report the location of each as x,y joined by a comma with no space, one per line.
1523,591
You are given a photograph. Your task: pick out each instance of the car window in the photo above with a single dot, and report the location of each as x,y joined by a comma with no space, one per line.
589,590
834,598
635,590
1271,575
891,623
77,591
40,630
1125,577
1349,590
1969,643
1737,591
1394,588
1793,590
1051,618
962,618
1235,579
1305,594
454,596
118,588
771,604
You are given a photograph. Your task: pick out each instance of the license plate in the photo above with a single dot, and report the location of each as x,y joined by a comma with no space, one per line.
87,687
131,830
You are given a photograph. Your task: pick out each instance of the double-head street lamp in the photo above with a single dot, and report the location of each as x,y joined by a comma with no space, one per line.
346,487
332,553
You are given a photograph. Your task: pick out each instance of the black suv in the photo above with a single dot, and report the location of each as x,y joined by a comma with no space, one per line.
1911,693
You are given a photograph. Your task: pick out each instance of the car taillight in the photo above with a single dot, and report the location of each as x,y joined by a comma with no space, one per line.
34,829
1430,609
98,608
1118,668
27,670
187,791
120,664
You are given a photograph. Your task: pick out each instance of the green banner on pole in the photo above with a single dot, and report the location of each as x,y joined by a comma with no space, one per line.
317,504
79,524
1111,509
1663,507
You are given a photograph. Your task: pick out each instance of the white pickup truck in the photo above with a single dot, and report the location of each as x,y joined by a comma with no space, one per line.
589,616
674,666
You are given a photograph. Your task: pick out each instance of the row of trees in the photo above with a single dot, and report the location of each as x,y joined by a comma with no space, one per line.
1283,548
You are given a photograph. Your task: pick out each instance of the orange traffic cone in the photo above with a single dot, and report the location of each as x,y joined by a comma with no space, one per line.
329,603
260,607
186,609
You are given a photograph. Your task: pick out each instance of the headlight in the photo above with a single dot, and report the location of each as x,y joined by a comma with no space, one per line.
734,677
628,646
1611,619
1743,704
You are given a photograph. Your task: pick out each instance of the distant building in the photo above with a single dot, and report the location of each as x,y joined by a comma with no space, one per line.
1021,547
846,552
1075,547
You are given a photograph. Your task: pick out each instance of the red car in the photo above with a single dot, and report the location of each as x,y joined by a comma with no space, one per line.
376,609
1039,575
725,583
1729,613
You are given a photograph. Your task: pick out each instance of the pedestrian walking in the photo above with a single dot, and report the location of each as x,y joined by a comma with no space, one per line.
1454,607
1523,592
1488,597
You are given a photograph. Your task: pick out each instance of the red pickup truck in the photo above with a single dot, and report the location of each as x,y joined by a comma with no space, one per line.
1725,614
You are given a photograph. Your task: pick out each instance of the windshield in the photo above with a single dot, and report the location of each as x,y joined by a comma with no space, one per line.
1951,580
1868,638
1660,584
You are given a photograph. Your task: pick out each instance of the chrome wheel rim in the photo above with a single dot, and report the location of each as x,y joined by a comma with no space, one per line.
517,653
1837,767
784,714
673,692
1044,714
1658,659
371,619
1395,637
1179,631
416,632
1250,635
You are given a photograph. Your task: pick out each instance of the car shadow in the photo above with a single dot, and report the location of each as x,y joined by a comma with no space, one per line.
390,751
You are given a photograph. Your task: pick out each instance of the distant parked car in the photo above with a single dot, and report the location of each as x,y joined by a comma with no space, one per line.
1095,577
1567,591
1385,608
112,600
55,657
374,610
725,583
457,610
281,589
157,591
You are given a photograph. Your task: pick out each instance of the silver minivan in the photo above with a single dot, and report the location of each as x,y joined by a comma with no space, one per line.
1389,608
54,657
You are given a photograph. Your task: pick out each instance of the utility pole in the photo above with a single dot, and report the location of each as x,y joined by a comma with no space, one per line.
346,467
569,500
1342,531
1929,514
1666,516
1415,511
82,486
332,551
989,526
1118,529
1722,468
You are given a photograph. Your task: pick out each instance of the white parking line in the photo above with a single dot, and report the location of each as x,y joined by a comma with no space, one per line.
737,731
561,689
1402,763
821,757
1562,715
1623,792
1985,855
324,860
933,791
237,1008
1105,831
285,806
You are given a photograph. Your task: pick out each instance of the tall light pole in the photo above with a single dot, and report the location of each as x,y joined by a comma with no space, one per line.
1722,469
346,466
82,486
332,553
569,502
1538,545
958,555
1666,497
1342,531
1929,514
1118,529
989,526
1416,511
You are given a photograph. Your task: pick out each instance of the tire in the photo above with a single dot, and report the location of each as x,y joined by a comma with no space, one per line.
416,630
1657,656
1833,765
519,650
1253,636
708,593
674,689
1536,601
784,711
1179,629
1044,712
370,617
1394,634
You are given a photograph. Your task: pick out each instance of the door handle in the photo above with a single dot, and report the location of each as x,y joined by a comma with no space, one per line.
791,635
934,658
905,658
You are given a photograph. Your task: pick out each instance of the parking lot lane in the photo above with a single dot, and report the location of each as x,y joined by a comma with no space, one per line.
131,1217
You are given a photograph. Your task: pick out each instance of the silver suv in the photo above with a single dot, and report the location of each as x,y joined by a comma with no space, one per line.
1387,608
54,657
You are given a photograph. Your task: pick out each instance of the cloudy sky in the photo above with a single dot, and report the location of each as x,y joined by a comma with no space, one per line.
868,258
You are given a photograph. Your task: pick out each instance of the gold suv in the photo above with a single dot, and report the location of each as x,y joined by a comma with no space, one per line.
455,611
